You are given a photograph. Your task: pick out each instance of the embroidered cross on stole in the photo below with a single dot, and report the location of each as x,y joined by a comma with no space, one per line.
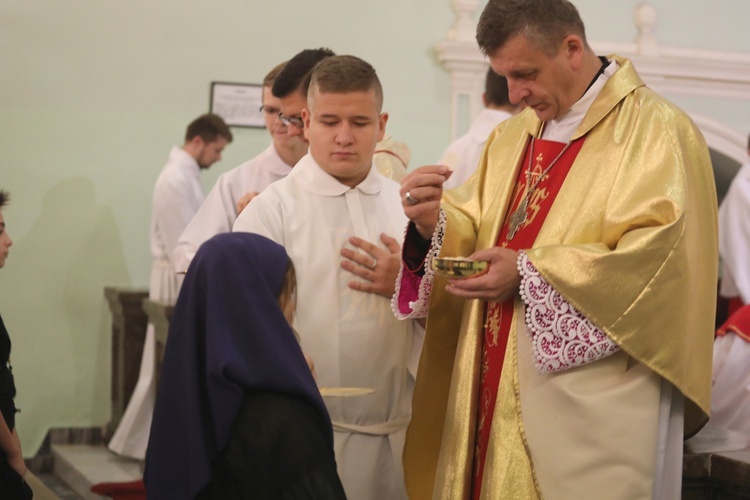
498,316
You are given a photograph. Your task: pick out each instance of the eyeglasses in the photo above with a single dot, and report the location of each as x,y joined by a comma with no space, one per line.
269,110
292,120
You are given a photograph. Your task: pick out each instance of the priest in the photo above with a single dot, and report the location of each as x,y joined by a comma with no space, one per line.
574,365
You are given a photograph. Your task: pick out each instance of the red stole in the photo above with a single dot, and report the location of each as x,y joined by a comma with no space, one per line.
498,316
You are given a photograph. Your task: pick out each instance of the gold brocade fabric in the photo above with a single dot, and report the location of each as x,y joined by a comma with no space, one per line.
512,475
391,158
630,241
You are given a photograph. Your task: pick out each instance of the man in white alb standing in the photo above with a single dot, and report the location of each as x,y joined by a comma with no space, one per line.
177,196
329,206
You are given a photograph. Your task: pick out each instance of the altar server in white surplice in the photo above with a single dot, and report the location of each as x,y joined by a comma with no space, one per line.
729,426
734,238
329,206
234,188
178,195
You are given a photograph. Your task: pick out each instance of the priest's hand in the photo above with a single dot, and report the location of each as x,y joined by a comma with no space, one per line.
245,200
374,264
501,281
421,191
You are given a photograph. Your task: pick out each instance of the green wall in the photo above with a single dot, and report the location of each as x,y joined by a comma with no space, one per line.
94,94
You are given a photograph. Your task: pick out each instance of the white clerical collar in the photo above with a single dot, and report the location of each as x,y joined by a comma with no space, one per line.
313,178
563,129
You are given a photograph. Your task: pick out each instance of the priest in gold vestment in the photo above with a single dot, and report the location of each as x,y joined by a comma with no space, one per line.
573,367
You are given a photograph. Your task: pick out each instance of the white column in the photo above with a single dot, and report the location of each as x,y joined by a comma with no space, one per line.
461,57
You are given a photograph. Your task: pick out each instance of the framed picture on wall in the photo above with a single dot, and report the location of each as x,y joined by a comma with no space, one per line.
238,103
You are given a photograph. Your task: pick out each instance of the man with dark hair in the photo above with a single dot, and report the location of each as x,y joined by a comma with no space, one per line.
573,365
291,85
462,156
205,139
235,188
295,76
177,196
333,203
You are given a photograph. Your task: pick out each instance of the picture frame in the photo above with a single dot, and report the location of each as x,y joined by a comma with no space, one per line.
238,103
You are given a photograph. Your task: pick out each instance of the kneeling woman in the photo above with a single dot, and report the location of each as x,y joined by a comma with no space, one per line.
238,413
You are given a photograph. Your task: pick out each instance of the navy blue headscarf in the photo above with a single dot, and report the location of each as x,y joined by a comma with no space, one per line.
227,335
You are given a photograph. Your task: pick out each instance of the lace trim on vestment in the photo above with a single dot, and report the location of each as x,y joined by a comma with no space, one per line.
561,336
402,304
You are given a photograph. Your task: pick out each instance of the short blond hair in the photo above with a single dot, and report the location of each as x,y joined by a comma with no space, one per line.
344,74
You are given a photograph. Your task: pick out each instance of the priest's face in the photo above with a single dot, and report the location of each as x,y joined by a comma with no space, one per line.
343,130
5,241
543,80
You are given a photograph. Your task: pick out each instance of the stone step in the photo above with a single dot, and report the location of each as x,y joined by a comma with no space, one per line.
52,488
82,466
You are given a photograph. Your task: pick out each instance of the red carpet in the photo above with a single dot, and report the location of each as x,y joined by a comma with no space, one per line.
133,490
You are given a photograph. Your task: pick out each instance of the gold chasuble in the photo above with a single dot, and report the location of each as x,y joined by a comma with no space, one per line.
630,241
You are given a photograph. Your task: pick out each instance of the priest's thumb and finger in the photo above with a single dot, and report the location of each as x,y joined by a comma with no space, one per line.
421,191
500,282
